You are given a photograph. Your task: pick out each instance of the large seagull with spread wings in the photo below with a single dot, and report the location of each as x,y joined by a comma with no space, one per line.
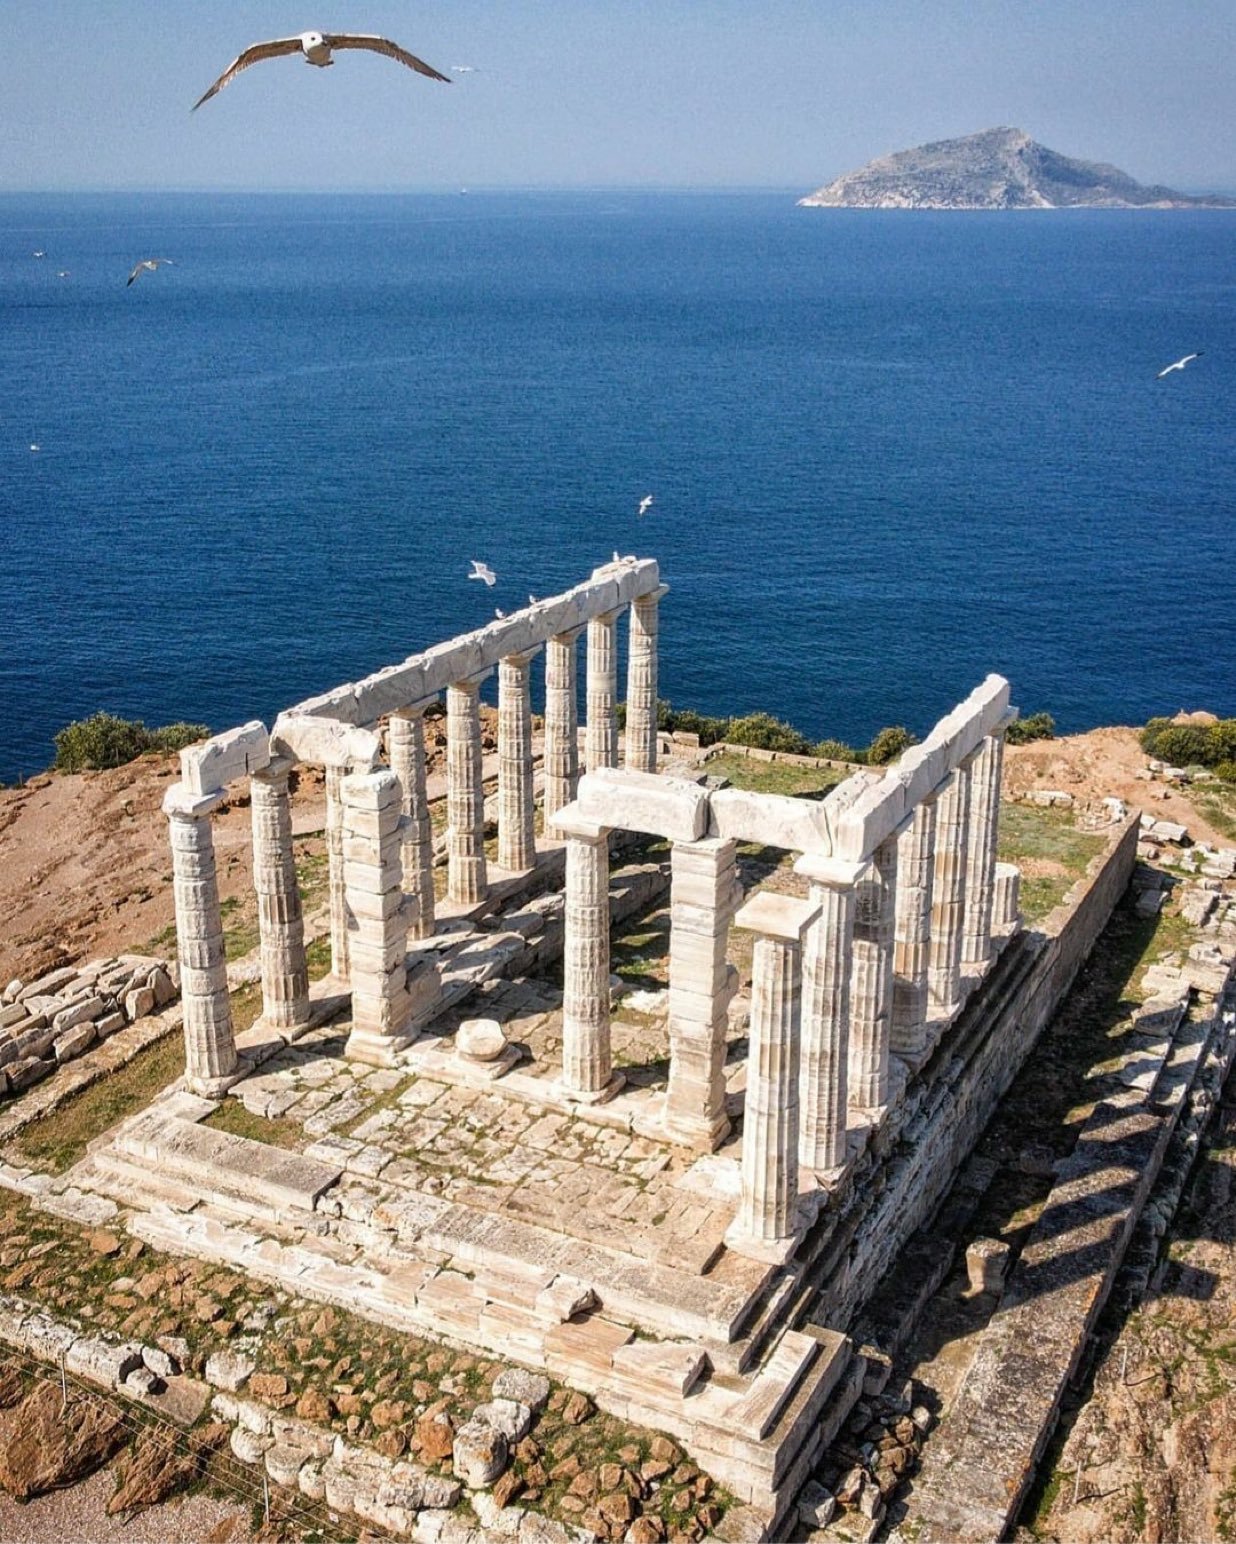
316,48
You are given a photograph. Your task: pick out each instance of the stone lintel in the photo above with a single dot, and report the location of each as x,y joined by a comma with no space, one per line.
473,682
524,656
414,710
211,766
670,807
569,821
777,916
179,800
324,741
836,873
774,820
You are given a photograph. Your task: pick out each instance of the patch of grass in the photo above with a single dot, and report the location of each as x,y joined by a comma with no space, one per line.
317,957
1029,832
58,1140
231,1116
240,927
1217,807
774,776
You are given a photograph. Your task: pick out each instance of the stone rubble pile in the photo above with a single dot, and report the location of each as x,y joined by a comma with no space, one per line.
49,1021
878,1448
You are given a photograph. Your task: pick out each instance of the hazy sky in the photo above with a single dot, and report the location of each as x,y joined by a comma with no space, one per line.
785,93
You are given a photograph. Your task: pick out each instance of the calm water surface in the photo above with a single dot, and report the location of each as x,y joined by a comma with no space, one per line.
889,452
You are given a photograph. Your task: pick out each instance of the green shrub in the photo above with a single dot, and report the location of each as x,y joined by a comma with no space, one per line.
1181,744
103,740
1035,726
1226,770
766,733
888,745
834,750
688,721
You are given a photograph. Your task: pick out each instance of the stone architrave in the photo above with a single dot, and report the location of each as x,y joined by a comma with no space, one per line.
601,732
916,866
949,897
767,1209
641,730
467,877
871,981
281,928
704,892
823,1073
516,804
561,722
587,1061
406,748
210,1044
334,876
378,945
976,950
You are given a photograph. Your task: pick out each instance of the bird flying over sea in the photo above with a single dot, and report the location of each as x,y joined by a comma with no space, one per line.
148,265
484,573
38,254
316,48
645,504
1179,365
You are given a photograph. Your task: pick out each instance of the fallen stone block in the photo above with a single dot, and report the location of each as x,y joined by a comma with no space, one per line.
102,1362
528,1388
228,1370
73,1042
479,1454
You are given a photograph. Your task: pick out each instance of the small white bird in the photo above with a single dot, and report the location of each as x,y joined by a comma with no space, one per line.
484,573
532,600
1179,365
63,274
148,265
645,504
36,447
316,49
499,613
38,254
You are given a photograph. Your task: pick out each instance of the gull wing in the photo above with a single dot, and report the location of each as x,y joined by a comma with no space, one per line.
379,45
252,55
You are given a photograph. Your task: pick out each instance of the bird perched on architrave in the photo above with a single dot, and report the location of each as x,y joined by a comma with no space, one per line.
316,48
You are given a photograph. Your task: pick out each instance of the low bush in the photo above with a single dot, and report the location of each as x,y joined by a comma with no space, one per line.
1190,745
765,733
835,750
103,740
888,745
1035,726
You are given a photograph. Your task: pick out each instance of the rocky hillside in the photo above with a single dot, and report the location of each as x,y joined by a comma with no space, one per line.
997,169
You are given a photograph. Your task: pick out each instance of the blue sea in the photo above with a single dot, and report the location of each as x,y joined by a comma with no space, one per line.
889,451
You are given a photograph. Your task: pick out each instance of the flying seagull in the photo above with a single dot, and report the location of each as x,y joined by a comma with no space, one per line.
38,254
316,48
645,504
148,265
1179,365
484,573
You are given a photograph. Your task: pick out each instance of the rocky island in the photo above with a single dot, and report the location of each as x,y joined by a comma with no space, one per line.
997,169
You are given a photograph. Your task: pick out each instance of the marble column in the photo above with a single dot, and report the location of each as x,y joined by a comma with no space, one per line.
561,722
976,950
281,928
378,935
467,879
405,739
823,1072
601,733
210,1044
871,981
704,891
516,805
949,899
334,877
1006,905
641,732
767,1210
916,866
587,1065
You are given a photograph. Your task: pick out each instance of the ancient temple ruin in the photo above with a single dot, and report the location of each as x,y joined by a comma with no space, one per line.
693,1275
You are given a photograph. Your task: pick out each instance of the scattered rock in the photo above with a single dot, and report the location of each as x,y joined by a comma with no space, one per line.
315,1406
479,1454
228,1370
104,1243
508,1416
268,1385
507,1487
152,1470
528,1388
577,1409
480,1040
435,1437
40,1450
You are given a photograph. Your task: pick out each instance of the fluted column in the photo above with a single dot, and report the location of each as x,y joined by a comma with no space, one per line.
516,805
334,874
976,950
949,898
823,1072
210,1044
406,749
587,1065
641,732
916,863
704,891
871,980
561,722
281,927
767,1210
373,836
601,734
467,879
1006,906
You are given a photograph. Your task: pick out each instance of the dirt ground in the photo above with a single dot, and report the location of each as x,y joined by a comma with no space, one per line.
85,868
